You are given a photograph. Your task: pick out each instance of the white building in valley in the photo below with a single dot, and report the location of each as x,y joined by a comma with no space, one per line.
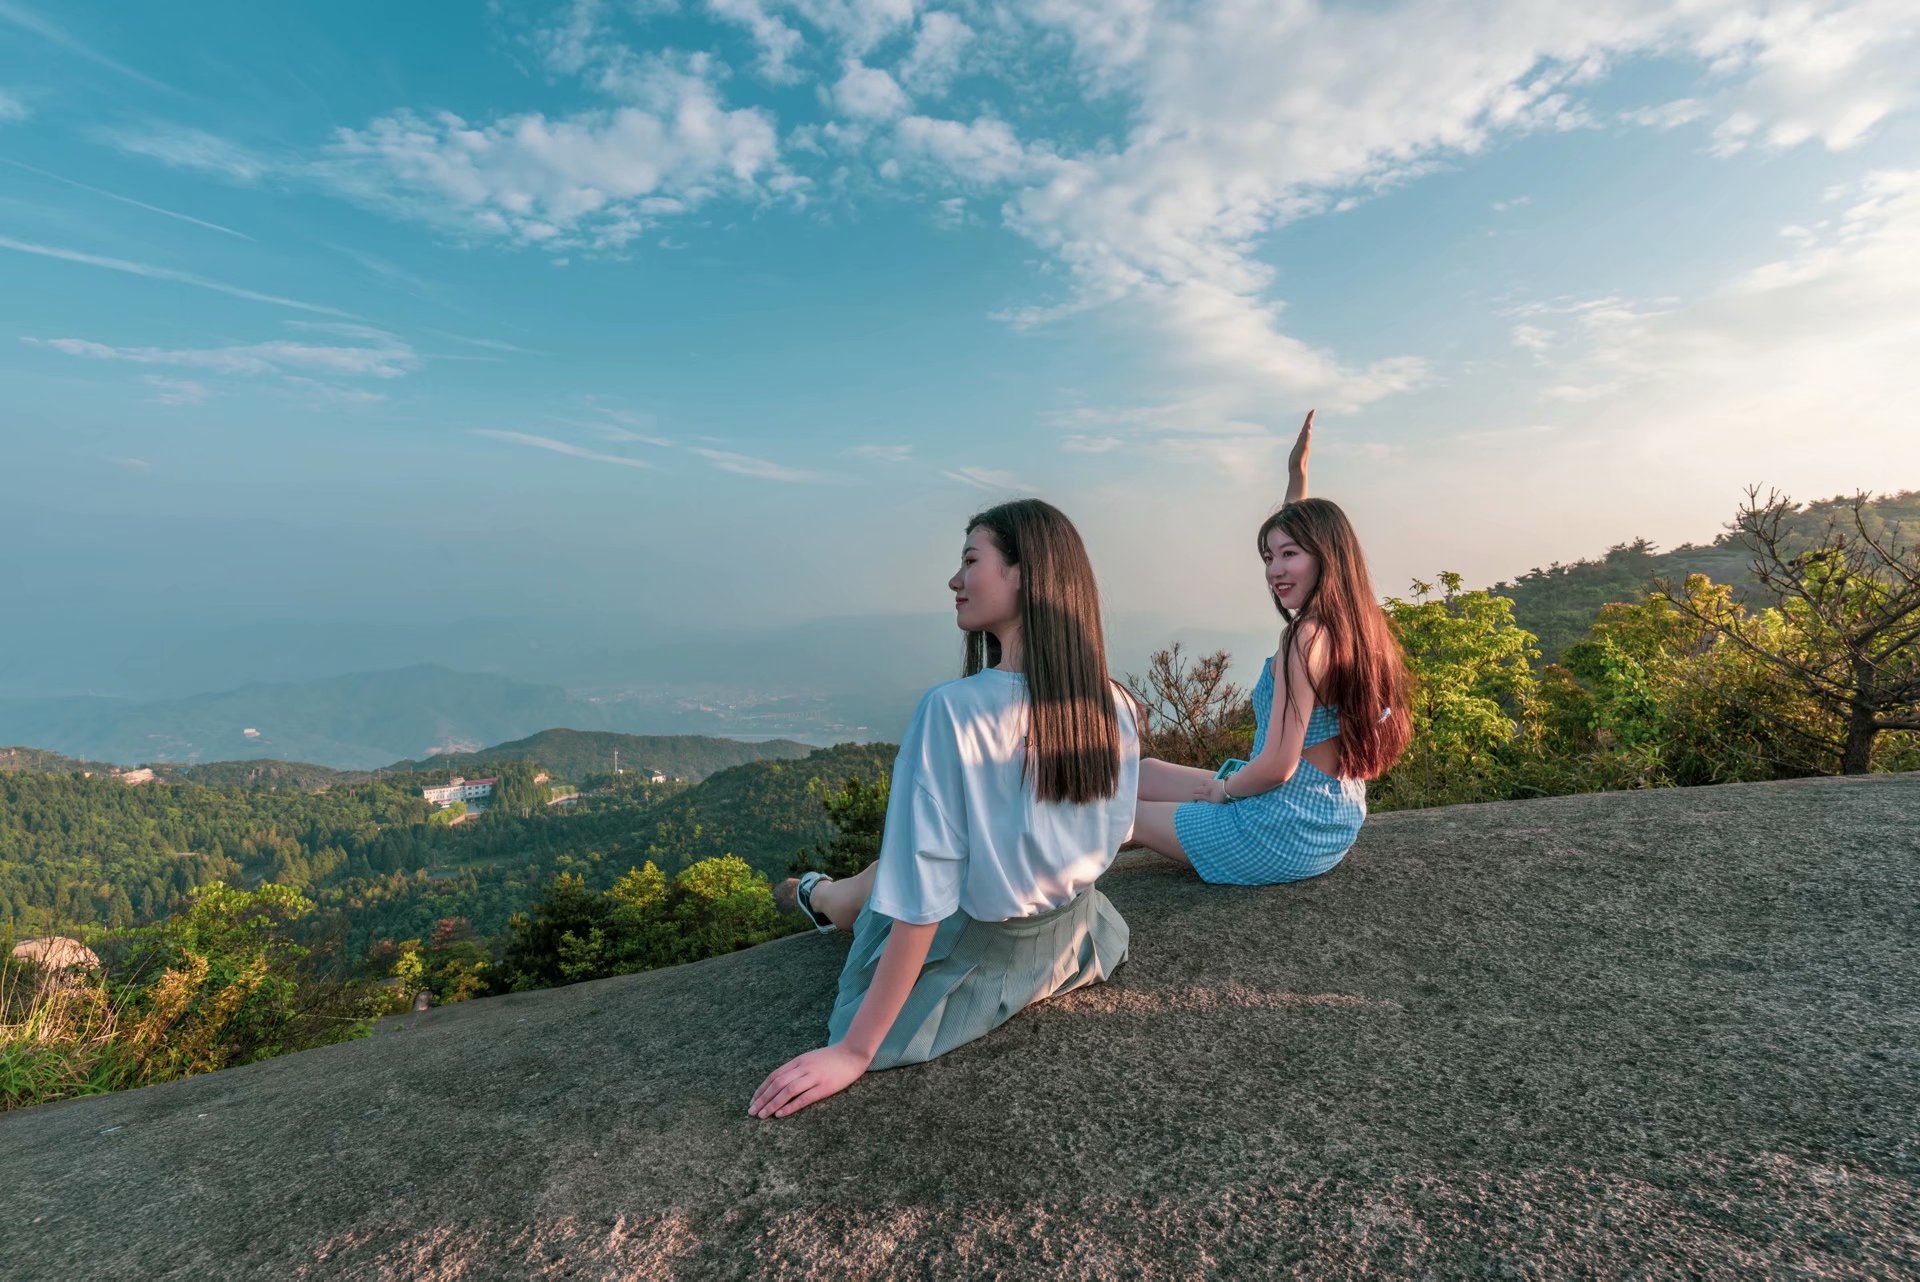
458,789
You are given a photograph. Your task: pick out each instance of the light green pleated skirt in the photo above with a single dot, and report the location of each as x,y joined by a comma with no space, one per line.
980,974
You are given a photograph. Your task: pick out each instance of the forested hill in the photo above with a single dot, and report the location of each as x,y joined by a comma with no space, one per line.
1557,604
78,852
44,762
578,755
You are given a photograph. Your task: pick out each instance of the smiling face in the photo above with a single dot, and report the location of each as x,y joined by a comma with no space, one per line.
986,591
1292,571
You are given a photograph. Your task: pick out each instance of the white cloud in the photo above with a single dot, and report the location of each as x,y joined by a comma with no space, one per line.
868,93
856,25
177,391
981,154
1532,337
560,447
1242,119
883,453
1777,359
1825,73
12,109
1667,115
183,147
162,273
778,42
593,179
935,57
1508,206
1091,444
131,464
382,356
747,465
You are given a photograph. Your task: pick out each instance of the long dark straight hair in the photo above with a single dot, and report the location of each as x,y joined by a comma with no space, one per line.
1073,746
1367,671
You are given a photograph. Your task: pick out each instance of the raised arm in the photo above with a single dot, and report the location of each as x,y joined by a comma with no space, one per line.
1297,462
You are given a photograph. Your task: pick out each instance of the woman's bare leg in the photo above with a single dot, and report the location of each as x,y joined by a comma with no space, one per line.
843,899
1164,781
1153,827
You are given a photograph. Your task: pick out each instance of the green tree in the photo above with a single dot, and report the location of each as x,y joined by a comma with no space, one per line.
1847,630
1472,687
858,812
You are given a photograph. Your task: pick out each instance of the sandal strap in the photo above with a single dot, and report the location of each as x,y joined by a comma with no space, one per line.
803,895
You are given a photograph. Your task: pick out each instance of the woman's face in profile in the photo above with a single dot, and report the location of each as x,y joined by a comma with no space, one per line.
986,590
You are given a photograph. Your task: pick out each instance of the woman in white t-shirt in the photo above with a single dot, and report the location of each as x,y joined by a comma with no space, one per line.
1013,790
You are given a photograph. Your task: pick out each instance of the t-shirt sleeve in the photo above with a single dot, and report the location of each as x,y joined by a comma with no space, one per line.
923,852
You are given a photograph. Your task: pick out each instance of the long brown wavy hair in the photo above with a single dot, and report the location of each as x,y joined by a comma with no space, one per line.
1073,745
1367,670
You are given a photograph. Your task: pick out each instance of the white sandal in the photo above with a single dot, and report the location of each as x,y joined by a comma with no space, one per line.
803,900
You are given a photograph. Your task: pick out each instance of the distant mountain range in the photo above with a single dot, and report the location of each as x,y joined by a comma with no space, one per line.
356,722
574,755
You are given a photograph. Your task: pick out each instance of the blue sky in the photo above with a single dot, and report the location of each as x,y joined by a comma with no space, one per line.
732,311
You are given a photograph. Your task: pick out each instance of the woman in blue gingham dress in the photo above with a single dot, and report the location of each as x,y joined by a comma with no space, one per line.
1298,830
1330,712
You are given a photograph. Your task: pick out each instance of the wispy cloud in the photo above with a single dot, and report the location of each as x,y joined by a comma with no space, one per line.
883,453
1508,206
1091,444
111,195
130,463
21,16
747,465
559,447
986,478
390,271
383,358
491,344
184,147
165,273
177,391
12,110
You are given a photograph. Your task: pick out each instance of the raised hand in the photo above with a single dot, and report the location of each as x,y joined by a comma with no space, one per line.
1297,461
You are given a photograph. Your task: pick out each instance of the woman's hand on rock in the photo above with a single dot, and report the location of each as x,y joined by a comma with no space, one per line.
807,1079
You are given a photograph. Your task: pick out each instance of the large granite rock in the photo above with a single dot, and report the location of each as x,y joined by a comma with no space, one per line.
1633,1033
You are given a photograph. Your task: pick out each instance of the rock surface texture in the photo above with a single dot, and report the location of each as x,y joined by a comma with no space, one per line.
1632,1033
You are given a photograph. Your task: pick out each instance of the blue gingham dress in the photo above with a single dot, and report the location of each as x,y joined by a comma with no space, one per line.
1289,833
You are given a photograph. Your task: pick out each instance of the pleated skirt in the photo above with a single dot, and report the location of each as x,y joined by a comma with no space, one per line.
980,974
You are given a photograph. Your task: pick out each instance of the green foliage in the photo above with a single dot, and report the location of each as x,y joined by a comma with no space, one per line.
1472,690
451,965
761,812
858,812
644,921
1559,602
221,984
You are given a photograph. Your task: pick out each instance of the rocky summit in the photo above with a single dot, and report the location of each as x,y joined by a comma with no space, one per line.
1629,1033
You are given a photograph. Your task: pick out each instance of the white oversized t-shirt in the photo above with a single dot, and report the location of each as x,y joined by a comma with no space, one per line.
964,829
